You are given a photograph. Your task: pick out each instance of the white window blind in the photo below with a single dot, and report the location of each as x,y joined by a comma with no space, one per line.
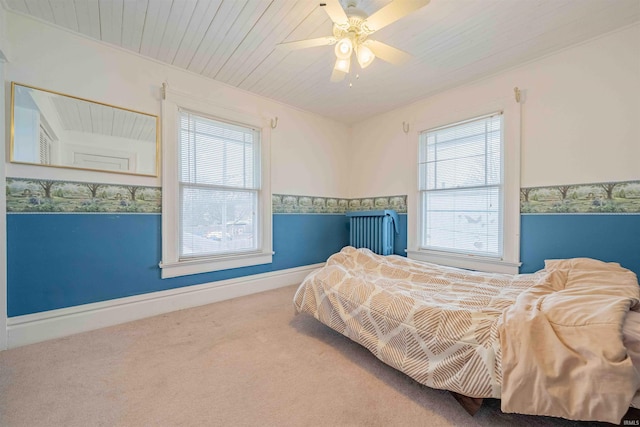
219,186
461,188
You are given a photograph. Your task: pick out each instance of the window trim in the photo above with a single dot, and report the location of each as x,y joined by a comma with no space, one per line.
499,186
510,261
171,264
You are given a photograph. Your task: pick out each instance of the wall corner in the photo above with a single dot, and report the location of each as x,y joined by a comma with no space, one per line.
5,48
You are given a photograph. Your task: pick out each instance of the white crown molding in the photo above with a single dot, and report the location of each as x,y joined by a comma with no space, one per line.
33,328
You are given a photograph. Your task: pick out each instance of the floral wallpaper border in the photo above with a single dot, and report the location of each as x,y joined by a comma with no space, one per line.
30,195
601,197
25,195
44,195
286,203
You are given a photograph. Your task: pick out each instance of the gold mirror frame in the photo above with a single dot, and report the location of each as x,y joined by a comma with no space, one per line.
44,128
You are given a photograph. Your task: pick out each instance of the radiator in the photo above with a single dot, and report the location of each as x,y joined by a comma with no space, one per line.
374,230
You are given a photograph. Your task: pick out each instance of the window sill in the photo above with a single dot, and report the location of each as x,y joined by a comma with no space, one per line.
470,262
206,265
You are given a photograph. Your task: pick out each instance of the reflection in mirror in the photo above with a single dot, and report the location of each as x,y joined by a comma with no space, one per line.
57,130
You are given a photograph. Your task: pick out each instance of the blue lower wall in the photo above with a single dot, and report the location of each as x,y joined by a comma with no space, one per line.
62,260
614,238
608,237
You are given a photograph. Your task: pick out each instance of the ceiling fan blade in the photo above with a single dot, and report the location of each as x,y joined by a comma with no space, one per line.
387,53
391,13
303,44
336,12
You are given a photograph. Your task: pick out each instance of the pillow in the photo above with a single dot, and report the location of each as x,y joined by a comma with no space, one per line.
581,264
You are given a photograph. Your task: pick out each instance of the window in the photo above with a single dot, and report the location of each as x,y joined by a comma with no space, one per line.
219,180
461,193
463,206
216,197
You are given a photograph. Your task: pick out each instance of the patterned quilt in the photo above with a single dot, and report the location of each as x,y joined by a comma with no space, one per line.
438,325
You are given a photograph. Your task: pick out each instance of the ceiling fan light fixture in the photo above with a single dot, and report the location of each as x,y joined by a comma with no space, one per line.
351,30
365,56
344,48
343,64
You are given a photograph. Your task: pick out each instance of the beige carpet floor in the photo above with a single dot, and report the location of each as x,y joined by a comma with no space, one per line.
243,362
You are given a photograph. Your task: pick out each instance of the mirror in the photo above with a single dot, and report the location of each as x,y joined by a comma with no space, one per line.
52,129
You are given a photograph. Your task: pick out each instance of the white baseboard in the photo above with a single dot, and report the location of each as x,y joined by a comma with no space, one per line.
32,328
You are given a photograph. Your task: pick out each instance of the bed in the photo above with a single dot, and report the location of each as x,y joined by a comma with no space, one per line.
536,341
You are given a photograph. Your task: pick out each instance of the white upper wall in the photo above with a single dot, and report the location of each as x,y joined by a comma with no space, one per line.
580,115
580,120
309,152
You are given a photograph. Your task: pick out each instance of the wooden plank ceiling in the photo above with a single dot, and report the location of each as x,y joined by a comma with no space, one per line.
233,41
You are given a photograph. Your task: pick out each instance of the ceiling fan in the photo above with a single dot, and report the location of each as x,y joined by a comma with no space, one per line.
351,30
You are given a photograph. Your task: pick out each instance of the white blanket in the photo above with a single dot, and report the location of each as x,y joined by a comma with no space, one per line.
562,343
